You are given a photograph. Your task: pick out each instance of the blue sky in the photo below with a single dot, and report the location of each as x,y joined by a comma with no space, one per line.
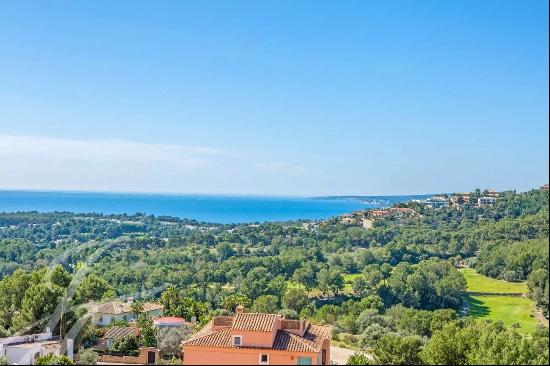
274,97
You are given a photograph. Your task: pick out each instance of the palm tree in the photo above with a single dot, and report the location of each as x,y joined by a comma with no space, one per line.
137,308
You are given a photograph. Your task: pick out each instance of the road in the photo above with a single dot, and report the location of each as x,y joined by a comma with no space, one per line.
339,355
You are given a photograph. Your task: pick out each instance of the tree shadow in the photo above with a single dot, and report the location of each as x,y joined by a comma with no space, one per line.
477,308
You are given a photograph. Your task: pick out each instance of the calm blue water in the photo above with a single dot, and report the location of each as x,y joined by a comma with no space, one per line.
210,208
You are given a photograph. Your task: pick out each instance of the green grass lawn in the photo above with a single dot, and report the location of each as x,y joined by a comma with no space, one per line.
348,278
313,293
348,282
509,309
480,283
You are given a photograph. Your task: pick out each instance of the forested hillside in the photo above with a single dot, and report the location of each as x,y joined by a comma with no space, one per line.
394,289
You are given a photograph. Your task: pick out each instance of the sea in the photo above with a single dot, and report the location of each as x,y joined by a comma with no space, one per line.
224,209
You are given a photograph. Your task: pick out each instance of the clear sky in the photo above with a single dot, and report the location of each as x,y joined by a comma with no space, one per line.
274,97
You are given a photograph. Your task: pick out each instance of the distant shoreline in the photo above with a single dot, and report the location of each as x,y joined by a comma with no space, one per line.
204,208
377,200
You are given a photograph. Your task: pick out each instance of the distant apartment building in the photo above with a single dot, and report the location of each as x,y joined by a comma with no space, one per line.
486,201
437,202
106,313
544,187
258,339
492,193
24,350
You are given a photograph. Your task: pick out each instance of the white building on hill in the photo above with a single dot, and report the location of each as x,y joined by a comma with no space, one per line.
24,350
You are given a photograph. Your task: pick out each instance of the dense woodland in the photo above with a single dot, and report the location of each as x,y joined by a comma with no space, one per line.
393,290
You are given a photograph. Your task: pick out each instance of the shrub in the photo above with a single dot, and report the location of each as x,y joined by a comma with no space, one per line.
86,357
53,360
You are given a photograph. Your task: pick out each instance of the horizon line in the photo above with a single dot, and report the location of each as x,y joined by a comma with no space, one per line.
107,192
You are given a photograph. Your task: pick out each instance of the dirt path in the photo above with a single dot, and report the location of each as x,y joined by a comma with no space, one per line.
540,317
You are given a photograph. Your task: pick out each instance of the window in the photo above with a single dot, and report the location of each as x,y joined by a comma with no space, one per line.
304,360
237,341
264,359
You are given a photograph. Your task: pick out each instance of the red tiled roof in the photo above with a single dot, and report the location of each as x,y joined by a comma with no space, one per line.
168,319
312,341
255,322
218,339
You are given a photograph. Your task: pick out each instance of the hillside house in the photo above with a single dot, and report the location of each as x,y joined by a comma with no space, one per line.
486,201
104,314
377,214
348,219
492,193
258,339
115,333
24,350
460,199
437,202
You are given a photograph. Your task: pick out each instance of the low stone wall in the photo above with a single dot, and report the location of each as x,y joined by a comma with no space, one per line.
138,360
122,359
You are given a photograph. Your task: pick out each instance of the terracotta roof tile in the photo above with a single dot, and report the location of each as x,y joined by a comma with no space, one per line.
312,341
255,322
207,338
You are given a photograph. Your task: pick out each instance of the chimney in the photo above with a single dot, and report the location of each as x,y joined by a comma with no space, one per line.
239,309
303,326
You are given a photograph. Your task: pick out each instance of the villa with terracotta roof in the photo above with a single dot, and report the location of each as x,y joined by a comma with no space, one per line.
258,339
105,313
116,333
460,199
377,214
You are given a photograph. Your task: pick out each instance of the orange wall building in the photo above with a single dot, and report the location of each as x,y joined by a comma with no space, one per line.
258,339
